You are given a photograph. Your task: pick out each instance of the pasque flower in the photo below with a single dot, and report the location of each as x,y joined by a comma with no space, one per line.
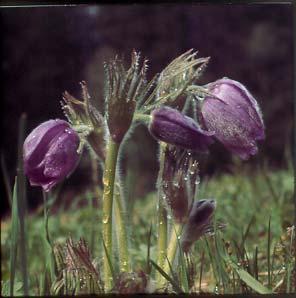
172,127
198,223
50,153
234,115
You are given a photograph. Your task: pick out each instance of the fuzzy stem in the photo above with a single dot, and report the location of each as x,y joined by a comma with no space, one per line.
162,219
108,182
172,248
142,117
124,263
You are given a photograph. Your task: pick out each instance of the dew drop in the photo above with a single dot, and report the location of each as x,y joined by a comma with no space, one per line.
176,184
105,219
105,181
197,182
216,290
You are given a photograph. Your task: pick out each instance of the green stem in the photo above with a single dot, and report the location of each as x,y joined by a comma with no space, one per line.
108,181
162,219
120,218
142,117
172,248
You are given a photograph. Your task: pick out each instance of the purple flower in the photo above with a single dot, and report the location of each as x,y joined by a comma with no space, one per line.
50,153
172,127
234,116
198,223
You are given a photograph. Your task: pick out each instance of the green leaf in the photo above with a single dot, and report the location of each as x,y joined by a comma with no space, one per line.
167,277
14,237
248,279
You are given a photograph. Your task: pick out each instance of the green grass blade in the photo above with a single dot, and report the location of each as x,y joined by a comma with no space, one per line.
246,233
168,278
184,273
148,266
14,237
6,180
174,275
252,282
255,264
109,260
247,278
22,205
268,254
201,269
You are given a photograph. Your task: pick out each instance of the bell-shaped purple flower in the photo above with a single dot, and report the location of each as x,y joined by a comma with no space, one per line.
50,153
198,223
173,127
234,115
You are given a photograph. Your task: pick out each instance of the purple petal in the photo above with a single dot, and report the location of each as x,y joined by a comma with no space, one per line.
234,117
236,94
50,153
38,140
171,126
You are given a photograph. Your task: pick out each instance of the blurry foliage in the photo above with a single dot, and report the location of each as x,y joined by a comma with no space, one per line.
245,201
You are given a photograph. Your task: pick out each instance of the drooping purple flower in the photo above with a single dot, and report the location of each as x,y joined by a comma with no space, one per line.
198,223
50,153
173,127
235,117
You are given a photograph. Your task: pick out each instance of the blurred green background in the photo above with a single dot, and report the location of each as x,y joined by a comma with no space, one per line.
47,50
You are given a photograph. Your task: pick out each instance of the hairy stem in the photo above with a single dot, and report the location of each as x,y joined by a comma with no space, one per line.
142,117
120,219
108,182
162,219
172,248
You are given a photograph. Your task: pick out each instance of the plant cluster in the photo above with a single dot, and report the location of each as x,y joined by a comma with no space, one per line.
185,118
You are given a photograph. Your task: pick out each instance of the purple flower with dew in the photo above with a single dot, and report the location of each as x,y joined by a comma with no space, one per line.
173,127
50,153
235,117
198,223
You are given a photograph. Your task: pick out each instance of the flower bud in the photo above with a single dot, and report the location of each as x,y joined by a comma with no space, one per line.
172,127
86,120
180,173
124,88
198,222
234,115
50,153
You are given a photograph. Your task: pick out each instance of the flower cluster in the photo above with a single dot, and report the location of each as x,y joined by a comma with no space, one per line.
229,114
183,117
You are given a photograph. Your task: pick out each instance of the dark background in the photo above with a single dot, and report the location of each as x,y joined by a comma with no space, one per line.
48,50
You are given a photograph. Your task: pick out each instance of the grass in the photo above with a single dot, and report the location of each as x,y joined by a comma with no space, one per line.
254,253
